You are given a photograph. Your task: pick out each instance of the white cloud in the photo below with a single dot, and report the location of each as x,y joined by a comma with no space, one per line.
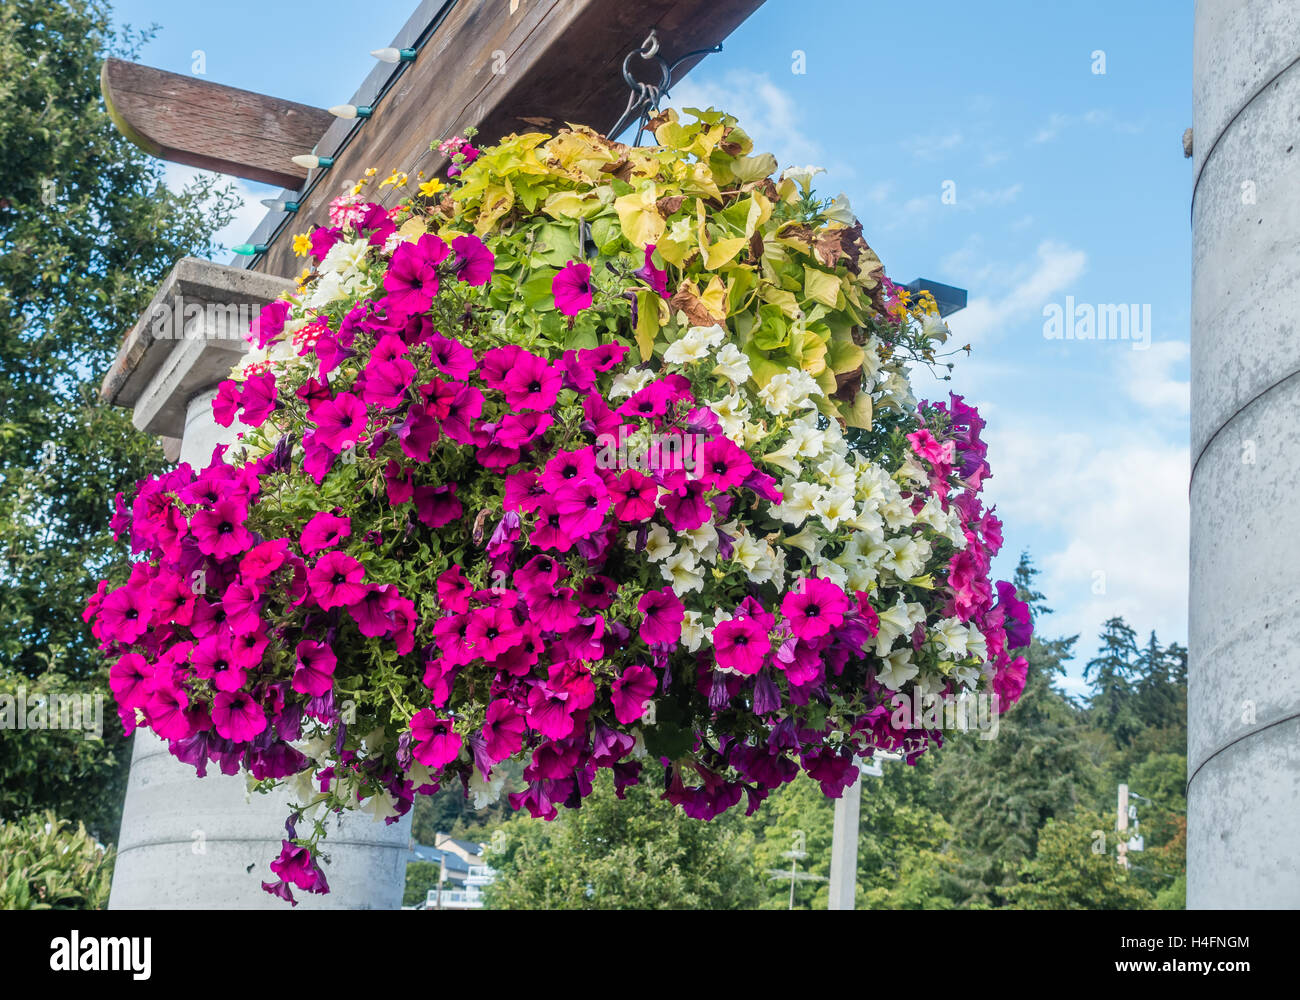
1058,123
768,113
1054,267
1149,377
931,147
1116,505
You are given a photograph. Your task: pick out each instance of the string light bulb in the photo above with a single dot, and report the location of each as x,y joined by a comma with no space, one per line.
351,111
249,249
310,161
280,205
391,55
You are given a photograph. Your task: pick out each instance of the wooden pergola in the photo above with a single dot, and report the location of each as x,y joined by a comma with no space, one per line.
500,66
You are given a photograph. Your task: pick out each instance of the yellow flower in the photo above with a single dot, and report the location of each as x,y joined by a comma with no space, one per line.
432,187
301,245
395,178
371,171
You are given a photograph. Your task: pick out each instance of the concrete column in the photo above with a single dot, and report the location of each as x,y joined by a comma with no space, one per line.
204,843
1243,797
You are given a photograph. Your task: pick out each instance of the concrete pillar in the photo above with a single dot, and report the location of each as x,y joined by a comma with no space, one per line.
205,843
1243,797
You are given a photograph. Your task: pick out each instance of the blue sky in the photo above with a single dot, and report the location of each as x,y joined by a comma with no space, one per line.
1062,181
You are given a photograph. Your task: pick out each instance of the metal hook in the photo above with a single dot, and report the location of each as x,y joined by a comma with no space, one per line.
650,47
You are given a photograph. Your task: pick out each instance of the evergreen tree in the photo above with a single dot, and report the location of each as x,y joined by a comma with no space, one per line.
1113,706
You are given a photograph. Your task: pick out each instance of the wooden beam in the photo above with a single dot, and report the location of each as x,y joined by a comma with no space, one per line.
492,67
211,126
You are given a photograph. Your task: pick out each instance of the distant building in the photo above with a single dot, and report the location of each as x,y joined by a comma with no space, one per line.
463,873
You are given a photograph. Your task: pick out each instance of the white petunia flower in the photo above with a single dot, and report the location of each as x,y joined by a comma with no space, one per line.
802,175
344,258
806,541
485,793
681,570
692,631
907,556
733,364
784,457
897,513
747,551
838,474
897,669
732,414
788,391
831,570
841,211
328,288
800,502
629,382
934,328
895,621
833,507
703,540
694,345
952,635
658,544
810,441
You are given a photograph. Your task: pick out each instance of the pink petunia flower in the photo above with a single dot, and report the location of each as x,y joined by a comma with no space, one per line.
814,607
314,673
451,357
503,730
634,496
324,531
437,506
474,261
741,644
581,504
220,532
664,613
236,716
631,693
651,275
436,742
124,615
340,421
531,384
572,288
336,580
412,278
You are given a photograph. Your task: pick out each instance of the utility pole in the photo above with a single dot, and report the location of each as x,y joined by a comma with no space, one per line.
844,846
1121,825
796,854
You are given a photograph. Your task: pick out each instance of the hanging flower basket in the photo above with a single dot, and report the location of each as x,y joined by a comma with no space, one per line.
599,457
